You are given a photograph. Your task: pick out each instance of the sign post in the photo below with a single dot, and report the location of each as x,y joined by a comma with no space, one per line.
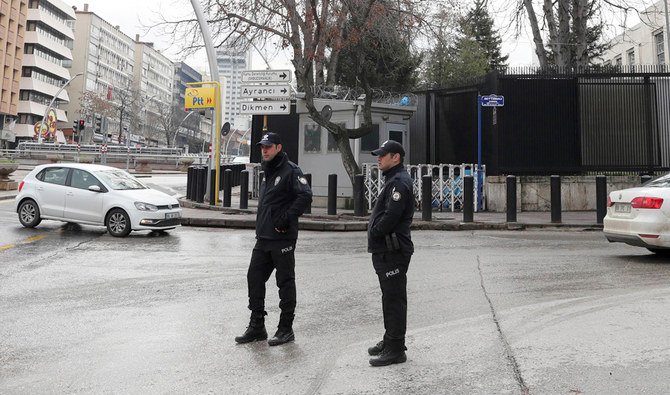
206,95
280,89
483,101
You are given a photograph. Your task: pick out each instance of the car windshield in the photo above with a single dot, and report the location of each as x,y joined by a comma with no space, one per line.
662,182
119,179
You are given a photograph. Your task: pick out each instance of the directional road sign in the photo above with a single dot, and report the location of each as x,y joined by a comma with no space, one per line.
265,92
266,76
493,101
265,107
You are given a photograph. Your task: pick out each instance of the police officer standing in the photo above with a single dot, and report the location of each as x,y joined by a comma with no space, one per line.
391,246
284,195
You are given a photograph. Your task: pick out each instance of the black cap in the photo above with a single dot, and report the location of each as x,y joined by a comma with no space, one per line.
389,146
269,138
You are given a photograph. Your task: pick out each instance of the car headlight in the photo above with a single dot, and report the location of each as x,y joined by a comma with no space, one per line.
145,206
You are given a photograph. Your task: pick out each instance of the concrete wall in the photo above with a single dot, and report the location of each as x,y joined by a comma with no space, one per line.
578,193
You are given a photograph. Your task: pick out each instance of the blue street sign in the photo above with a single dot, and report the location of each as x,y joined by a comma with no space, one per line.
492,101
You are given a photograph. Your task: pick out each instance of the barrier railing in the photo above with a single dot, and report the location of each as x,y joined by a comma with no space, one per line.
447,184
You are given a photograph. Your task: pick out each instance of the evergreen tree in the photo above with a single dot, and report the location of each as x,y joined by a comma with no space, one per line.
478,24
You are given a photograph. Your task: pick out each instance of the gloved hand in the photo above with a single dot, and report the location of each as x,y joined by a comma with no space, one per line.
281,222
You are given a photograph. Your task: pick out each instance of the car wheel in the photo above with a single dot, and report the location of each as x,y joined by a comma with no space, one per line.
118,223
29,214
660,251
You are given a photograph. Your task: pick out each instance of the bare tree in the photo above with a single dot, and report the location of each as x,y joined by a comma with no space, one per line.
314,32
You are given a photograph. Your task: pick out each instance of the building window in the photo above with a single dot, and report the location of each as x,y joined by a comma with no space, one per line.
660,48
631,56
617,61
312,138
370,141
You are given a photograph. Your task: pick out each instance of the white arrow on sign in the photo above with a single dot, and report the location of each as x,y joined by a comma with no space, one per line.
265,107
266,76
265,91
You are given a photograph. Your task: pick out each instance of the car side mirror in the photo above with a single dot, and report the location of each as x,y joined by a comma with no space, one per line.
94,188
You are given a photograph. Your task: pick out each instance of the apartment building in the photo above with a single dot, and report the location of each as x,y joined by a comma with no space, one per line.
13,16
106,58
47,56
232,61
642,44
153,78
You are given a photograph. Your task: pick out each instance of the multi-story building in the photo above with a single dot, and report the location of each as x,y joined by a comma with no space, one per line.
106,57
644,43
46,61
153,78
13,15
232,61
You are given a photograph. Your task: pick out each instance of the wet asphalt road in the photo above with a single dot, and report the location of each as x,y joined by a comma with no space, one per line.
489,313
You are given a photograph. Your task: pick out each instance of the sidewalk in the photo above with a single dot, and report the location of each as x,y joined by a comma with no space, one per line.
204,215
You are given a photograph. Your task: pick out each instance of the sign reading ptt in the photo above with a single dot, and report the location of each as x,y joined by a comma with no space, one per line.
200,98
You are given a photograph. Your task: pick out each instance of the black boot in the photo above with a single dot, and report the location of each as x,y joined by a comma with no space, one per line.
256,329
393,352
283,335
376,349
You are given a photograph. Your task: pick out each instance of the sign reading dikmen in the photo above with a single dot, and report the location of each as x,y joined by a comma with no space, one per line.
265,107
200,98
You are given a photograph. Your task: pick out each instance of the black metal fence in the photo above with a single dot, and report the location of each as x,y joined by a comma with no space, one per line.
557,122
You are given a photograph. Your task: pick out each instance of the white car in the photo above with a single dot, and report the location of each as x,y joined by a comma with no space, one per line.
94,195
640,216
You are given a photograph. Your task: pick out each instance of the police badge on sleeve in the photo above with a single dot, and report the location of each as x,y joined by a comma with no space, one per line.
302,180
395,195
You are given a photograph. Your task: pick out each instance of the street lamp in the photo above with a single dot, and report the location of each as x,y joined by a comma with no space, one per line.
51,103
178,126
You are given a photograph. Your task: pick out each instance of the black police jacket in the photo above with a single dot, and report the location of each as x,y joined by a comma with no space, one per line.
388,228
284,195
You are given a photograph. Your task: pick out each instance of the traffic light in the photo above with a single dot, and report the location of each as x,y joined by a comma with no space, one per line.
98,123
82,125
75,126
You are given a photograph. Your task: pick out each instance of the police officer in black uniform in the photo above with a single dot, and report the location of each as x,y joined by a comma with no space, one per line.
284,195
391,246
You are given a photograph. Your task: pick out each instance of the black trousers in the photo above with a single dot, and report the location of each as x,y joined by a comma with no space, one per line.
266,257
391,269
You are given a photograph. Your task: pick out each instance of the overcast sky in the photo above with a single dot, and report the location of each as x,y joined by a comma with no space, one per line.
133,15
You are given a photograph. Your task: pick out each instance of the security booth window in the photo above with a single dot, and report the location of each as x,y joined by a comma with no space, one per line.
395,135
312,135
370,141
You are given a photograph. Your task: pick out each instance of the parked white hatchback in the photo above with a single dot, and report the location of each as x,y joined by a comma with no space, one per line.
94,195
640,216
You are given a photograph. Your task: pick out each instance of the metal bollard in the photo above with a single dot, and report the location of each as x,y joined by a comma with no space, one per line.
212,187
511,199
200,184
645,178
601,198
189,182
468,198
332,194
227,187
426,198
308,177
359,196
555,186
244,189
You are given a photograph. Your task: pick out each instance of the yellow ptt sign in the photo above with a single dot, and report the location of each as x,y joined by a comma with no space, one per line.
200,97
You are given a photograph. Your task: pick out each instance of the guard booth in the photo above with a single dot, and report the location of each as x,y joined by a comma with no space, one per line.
318,153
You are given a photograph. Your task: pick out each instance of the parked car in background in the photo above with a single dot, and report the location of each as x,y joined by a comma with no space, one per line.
94,195
640,216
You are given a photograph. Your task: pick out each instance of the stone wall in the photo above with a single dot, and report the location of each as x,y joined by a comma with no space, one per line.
578,193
